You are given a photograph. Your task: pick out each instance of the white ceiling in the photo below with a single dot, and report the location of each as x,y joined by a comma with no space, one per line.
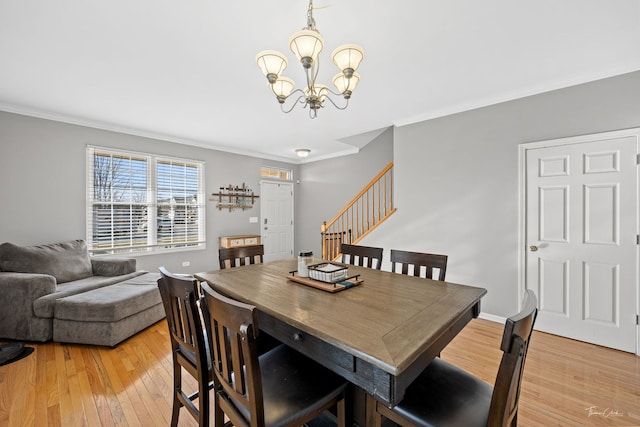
185,71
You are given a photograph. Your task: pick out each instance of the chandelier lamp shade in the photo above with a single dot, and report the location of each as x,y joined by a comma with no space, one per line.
307,44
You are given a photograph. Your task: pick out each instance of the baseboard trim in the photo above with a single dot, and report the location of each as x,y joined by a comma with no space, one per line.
492,317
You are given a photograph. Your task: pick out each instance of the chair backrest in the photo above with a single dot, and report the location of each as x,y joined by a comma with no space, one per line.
358,255
180,296
515,343
233,331
240,256
419,260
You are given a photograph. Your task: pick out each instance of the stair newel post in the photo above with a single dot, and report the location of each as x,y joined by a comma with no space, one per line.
323,230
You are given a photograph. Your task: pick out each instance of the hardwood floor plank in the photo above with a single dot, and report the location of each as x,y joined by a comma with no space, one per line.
158,414
78,411
566,382
22,408
563,378
53,417
40,386
119,407
98,384
138,409
152,378
67,415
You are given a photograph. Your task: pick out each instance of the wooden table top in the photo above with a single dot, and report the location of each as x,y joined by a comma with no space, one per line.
388,320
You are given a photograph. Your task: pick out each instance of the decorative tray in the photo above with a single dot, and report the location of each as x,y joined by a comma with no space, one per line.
348,282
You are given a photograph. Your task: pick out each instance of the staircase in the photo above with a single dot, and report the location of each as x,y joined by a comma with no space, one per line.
372,206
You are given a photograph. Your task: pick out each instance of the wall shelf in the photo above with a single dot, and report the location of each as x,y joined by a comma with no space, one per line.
234,197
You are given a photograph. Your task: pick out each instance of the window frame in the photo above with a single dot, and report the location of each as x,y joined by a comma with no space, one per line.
152,237
273,173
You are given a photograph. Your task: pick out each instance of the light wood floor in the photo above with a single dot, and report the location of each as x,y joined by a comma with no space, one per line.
75,385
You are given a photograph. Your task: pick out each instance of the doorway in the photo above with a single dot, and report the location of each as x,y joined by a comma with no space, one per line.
580,235
276,219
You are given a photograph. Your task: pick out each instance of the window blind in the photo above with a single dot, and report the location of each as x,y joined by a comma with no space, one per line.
143,203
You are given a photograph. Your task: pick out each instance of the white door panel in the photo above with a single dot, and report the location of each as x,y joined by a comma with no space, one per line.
581,237
276,222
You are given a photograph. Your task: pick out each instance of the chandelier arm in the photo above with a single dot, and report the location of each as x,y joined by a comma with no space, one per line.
336,105
301,99
334,93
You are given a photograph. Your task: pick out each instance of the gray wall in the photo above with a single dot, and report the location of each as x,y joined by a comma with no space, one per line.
42,185
327,185
456,179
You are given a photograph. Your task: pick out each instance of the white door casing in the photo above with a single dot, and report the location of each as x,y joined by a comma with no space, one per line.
579,229
276,219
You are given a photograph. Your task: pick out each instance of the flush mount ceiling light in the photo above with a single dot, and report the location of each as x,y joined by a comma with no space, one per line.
306,44
303,152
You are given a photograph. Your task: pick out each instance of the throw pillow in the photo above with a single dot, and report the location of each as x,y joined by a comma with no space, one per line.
66,261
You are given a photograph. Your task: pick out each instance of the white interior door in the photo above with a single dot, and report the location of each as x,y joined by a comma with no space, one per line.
276,219
581,237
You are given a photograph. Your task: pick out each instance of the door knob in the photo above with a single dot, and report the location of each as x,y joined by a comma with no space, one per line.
533,248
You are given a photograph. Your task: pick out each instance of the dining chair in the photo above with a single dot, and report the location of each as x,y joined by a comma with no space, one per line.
419,260
279,388
241,256
189,349
445,395
361,255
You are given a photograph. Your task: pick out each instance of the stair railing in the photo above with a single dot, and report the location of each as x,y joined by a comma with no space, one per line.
367,210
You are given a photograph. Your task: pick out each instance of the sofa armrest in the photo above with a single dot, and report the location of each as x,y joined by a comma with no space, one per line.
18,291
30,285
113,266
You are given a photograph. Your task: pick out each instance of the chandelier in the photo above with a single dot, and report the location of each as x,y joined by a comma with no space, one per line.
307,44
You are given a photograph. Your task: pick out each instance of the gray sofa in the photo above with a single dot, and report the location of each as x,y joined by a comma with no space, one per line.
57,291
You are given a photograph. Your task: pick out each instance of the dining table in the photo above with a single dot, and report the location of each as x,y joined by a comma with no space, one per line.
379,334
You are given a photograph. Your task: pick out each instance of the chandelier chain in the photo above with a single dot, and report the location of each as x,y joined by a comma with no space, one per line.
311,23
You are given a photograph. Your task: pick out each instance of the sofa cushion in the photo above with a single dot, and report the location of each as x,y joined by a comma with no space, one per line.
44,306
111,303
66,261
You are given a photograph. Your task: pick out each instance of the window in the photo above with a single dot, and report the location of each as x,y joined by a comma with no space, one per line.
127,192
276,173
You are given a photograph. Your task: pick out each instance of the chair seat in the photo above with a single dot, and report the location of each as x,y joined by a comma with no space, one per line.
286,375
191,356
446,396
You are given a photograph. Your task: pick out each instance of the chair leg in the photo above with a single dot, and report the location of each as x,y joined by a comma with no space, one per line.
341,412
203,402
177,385
373,419
377,421
218,415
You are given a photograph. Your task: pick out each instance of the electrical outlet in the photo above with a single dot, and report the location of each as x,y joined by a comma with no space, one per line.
186,263
253,219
